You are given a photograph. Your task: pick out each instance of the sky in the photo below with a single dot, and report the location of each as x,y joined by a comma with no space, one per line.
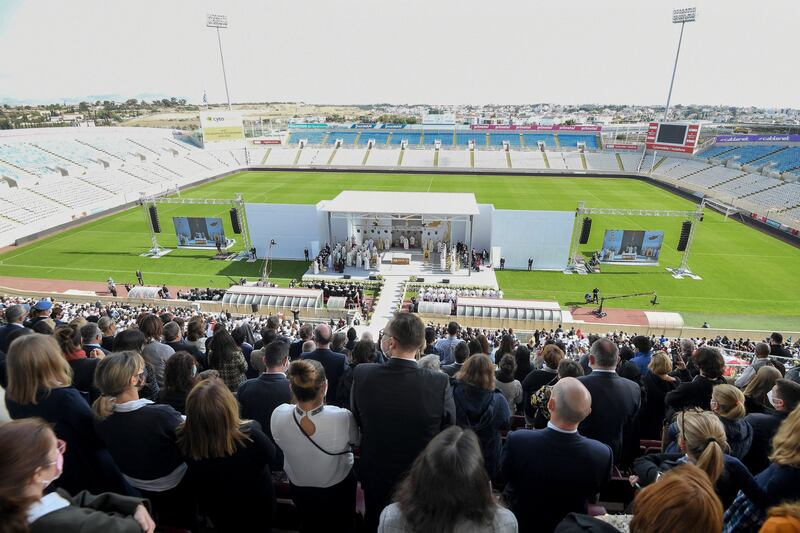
739,53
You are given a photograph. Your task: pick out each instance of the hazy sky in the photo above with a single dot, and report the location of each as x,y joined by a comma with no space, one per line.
404,51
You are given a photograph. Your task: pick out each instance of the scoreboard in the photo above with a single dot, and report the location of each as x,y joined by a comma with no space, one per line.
673,137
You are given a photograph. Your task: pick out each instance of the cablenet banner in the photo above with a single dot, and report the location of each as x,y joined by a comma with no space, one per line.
756,138
621,146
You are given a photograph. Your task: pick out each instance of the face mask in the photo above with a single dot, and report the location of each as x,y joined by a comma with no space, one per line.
194,371
769,397
59,464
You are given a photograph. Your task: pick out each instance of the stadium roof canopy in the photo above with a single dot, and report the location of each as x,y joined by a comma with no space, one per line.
426,204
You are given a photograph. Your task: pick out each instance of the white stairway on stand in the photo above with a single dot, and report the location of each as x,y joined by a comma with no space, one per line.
388,302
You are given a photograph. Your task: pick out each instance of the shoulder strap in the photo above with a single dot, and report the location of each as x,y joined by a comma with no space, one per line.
317,446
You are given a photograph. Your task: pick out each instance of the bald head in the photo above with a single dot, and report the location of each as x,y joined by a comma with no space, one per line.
322,335
570,402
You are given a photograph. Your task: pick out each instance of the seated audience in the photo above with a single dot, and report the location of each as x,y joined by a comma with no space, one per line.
109,328
572,467
15,317
460,355
228,460
399,409
761,359
179,378
657,383
132,340
31,459
756,392
615,400
318,459
447,490
481,407
785,398
505,382
683,499
140,436
196,333
335,363
39,385
697,393
173,337
91,337
225,356
702,441
727,402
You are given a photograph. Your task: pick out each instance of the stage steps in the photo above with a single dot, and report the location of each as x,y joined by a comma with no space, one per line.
333,154
366,157
400,158
472,158
266,155
508,158
297,157
583,161
546,161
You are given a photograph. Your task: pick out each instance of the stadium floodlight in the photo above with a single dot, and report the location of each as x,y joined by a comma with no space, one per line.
220,21
679,16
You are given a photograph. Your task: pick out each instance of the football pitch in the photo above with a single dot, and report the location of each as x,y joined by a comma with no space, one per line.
749,279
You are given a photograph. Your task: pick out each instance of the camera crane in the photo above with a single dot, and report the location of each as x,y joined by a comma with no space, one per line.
599,313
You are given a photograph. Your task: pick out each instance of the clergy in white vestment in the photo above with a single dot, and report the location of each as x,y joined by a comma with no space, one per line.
316,266
412,241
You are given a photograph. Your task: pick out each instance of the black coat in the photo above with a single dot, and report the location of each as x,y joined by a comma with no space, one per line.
550,474
258,398
651,415
83,377
334,364
615,402
695,393
764,425
399,408
4,332
532,383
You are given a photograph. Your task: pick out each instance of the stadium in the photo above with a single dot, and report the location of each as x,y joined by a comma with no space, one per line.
239,265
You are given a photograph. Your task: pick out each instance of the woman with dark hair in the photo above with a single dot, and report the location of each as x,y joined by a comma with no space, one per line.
179,378
83,368
225,356
755,393
507,345
447,490
505,382
363,352
31,459
39,385
474,347
522,356
140,436
626,368
132,340
239,337
697,393
547,375
481,407
352,338
196,333
484,342
154,351
228,460
316,440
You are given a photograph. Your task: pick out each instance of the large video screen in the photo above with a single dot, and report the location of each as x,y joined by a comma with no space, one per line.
631,247
199,232
672,133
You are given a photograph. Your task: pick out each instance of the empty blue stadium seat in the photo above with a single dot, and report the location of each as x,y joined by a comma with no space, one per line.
411,136
312,136
532,139
572,140
496,139
347,137
463,139
746,154
379,136
445,136
784,160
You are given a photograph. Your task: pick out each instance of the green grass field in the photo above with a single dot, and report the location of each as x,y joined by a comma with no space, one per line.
750,280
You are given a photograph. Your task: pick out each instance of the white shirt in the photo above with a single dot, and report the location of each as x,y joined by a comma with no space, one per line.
304,463
48,504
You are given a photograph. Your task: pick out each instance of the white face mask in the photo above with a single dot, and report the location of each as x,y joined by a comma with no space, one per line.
769,397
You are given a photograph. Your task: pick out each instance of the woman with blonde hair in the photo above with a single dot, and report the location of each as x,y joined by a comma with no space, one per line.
657,383
481,407
228,460
39,384
316,441
780,481
755,393
702,441
140,436
727,402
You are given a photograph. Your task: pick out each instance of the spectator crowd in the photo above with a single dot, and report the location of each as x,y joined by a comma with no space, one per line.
130,418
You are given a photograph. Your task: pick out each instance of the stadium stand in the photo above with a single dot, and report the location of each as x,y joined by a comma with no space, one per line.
747,154
418,158
513,139
490,159
747,184
444,136
601,161
570,140
462,139
556,160
380,137
310,136
347,137
573,160
314,156
715,151
713,176
412,137
527,159
281,156
630,162
353,157
782,160
383,157
454,158
531,140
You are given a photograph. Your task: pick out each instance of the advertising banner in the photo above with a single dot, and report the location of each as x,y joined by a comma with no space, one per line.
221,127
362,126
631,247
307,125
199,232
393,126
756,138
442,119
534,127
266,141
622,146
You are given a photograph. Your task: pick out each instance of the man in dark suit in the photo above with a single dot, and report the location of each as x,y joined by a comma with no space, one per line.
785,398
40,311
399,408
173,337
554,471
460,352
15,316
296,348
91,337
258,397
615,400
334,363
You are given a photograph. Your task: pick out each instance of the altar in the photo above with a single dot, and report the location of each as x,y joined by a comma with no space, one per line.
398,258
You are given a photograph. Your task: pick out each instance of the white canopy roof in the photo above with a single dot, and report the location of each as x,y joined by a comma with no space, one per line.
403,203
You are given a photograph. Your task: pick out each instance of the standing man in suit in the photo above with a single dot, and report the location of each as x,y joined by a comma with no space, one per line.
15,316
554,471
399,408
334,363
296,348
615,400
139,277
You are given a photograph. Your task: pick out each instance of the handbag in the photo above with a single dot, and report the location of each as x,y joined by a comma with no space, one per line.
317,446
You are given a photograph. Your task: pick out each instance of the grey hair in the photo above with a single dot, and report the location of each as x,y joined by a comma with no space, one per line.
430,361
687,345
14,313
605,353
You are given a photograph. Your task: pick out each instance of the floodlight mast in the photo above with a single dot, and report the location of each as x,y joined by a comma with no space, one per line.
679,16
220,21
